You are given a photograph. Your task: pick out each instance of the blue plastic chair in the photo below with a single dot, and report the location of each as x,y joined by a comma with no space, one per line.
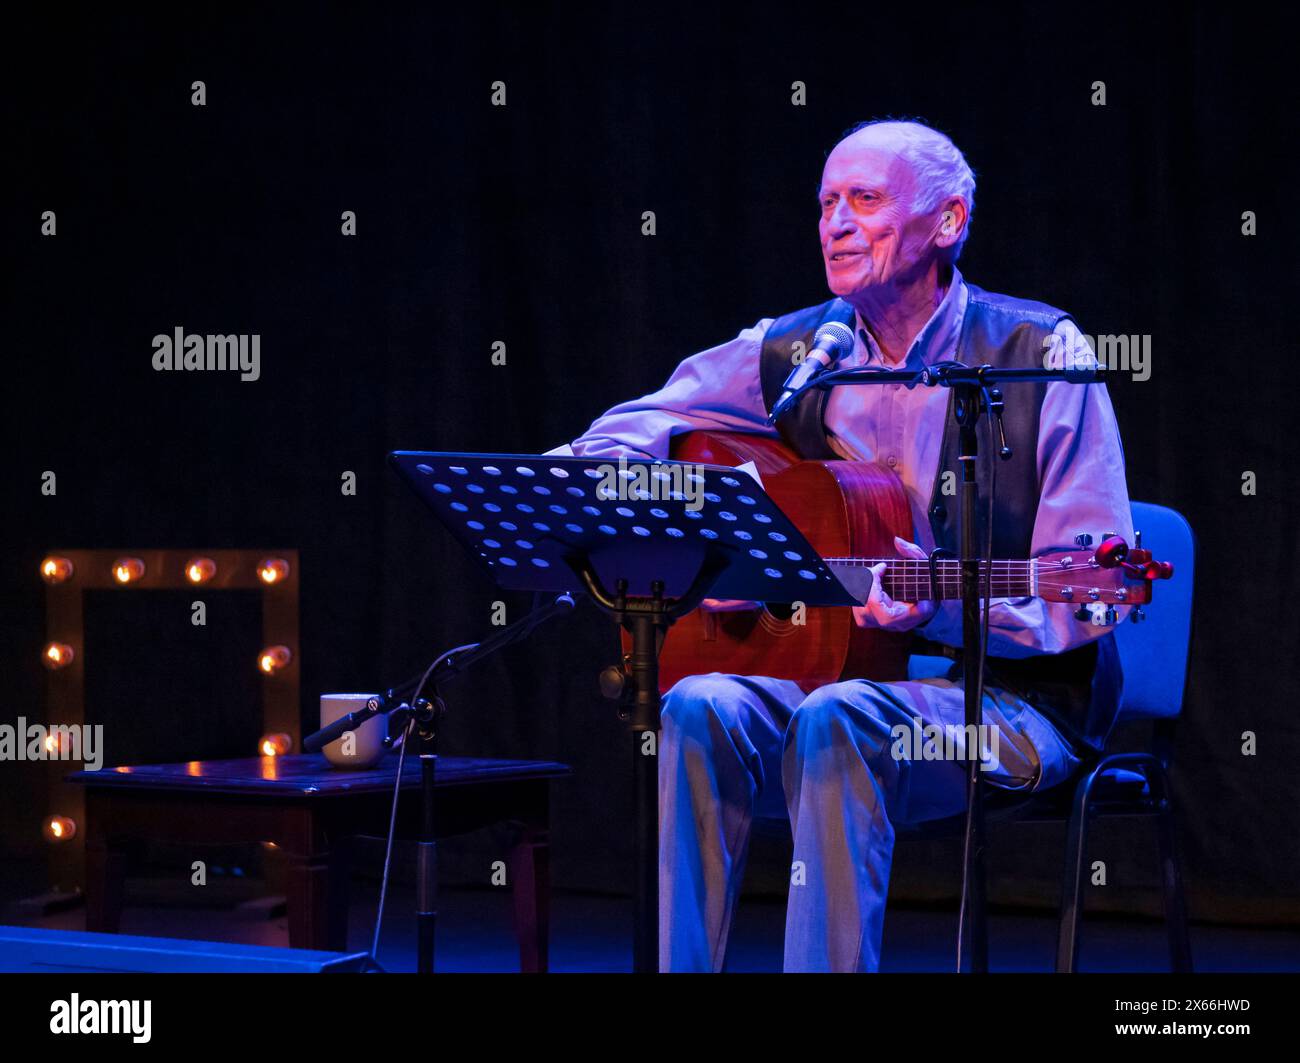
1155,655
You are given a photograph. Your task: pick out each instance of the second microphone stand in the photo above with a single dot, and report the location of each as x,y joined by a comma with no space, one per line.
422,714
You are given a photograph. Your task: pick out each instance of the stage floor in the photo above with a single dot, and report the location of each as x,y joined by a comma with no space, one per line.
592,933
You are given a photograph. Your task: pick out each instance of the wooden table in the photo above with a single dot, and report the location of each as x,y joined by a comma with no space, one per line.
311,810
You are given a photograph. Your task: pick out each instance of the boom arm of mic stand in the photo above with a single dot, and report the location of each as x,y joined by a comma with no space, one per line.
522,627
453,666
953,374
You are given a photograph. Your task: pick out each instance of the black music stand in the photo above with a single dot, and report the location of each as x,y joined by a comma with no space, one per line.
672,534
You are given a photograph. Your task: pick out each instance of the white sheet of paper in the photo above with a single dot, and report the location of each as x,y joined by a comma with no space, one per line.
752,469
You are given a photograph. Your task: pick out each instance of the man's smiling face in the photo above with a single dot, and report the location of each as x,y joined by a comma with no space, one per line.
870,234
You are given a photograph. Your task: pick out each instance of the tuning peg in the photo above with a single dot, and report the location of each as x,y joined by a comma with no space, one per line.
1096,613
1112,552
1083,540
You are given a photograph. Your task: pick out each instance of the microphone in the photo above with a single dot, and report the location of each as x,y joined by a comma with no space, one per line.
318,740
832,342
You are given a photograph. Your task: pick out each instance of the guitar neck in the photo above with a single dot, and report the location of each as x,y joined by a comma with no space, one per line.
908,579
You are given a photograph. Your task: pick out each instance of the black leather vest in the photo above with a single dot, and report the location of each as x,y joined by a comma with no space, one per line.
1079,689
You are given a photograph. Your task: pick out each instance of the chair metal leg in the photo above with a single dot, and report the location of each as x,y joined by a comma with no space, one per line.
1171,879
1076,851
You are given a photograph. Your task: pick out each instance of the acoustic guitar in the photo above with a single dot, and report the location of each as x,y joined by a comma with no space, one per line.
850,512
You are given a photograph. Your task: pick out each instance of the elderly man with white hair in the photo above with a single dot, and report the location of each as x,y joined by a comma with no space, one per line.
895,202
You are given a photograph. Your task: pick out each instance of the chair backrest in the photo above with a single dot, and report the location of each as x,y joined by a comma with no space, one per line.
1154,652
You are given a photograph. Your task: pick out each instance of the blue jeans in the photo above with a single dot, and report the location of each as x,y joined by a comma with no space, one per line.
846,765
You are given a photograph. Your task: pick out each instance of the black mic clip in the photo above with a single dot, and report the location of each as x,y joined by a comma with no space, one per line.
423,711
993,400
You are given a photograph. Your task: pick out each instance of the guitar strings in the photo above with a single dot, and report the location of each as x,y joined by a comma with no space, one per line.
908,579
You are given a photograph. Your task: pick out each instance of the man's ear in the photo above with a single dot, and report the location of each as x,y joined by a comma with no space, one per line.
952,221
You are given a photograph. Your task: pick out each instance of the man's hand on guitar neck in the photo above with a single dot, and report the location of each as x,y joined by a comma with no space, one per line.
881,611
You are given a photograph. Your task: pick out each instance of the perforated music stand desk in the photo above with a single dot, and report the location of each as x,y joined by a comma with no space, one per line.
673,534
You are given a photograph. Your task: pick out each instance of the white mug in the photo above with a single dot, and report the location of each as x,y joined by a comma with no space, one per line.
360,748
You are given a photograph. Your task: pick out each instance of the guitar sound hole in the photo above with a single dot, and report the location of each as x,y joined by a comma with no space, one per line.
779,610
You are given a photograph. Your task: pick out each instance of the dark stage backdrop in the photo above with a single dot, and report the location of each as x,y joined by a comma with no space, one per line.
523,224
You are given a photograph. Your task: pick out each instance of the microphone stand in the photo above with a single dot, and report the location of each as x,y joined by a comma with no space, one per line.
974,393
424,713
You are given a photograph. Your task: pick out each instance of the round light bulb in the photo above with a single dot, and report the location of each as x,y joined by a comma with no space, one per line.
272,570
60,829
275,745
273,658
57,569
128,569
200,570
57,655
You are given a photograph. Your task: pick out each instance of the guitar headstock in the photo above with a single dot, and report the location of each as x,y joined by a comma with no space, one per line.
1111,575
